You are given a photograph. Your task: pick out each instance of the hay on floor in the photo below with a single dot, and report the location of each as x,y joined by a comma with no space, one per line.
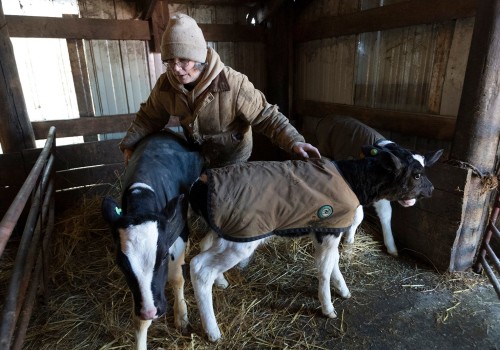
272,304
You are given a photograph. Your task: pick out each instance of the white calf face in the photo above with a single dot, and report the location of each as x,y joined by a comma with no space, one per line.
139,245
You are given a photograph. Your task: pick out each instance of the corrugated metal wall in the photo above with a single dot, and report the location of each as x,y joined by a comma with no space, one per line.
119,70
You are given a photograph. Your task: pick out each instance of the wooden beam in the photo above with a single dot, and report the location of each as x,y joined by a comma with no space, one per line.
112,29
88,126
159,20
269,9
232,32
77,28
147,10
397,15
432,126
214,2
16,133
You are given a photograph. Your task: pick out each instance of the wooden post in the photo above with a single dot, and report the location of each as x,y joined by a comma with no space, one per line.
16,133
477,132
279,41
80,79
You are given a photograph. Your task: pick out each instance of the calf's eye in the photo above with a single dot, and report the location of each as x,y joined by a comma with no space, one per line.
417,176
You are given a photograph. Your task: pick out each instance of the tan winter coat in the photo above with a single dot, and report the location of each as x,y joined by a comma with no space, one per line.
218,114
256,199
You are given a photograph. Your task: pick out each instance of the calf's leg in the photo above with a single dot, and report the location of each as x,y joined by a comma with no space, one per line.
327,261
384,212
176,282
141,333
206,267
205,244
349,238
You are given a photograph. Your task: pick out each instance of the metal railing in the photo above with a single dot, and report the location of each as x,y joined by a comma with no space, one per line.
486,254
31,262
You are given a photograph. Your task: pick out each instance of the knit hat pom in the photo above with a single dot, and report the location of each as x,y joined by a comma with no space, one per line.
183,39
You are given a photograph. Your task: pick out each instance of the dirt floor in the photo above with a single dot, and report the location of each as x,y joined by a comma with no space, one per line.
396,303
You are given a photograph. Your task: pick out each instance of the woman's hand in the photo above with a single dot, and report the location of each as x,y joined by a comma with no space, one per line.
305,150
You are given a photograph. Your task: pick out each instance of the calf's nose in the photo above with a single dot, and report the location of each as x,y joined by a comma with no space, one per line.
428,193
148,314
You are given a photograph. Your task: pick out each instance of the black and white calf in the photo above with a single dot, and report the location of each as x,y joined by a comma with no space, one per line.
341,138
246,203
150,228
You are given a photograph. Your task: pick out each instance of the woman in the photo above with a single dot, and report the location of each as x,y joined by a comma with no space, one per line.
217,106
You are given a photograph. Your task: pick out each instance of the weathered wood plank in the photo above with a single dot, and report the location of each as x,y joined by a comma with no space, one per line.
13,170
7,195
111,29
232,32
455,69
478,126
77,28
159,21
16,132
101,174
68,199
417,124
397,15
89,126
430,228
214,2
88,154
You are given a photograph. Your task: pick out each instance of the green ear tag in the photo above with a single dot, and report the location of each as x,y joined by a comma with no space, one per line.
373,151
118,210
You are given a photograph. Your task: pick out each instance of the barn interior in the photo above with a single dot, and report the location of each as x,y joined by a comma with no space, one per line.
423,73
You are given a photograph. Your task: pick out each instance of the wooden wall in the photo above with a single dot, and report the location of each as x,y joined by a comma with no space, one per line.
360,59
399,68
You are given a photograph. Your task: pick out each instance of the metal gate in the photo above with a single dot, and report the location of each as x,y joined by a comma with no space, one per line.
31,264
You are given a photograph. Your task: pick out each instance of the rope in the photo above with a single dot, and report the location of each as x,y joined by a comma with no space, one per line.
489,182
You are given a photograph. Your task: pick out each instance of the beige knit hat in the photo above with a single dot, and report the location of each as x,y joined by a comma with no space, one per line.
183,39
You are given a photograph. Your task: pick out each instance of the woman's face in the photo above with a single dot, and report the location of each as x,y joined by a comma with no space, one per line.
184,70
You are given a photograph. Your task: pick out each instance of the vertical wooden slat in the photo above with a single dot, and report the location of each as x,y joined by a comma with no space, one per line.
80,79
16,133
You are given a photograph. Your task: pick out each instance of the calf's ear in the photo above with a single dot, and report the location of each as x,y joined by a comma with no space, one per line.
175,207
110,210
390,162
432,157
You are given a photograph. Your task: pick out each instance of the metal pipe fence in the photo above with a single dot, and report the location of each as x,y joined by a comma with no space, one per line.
30,262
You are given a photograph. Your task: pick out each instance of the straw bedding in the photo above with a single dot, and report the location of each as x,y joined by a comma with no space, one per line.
272,304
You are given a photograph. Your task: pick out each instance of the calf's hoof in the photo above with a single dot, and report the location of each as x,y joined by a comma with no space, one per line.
221,283
214,336
331,313
394,253
182,324
344,293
